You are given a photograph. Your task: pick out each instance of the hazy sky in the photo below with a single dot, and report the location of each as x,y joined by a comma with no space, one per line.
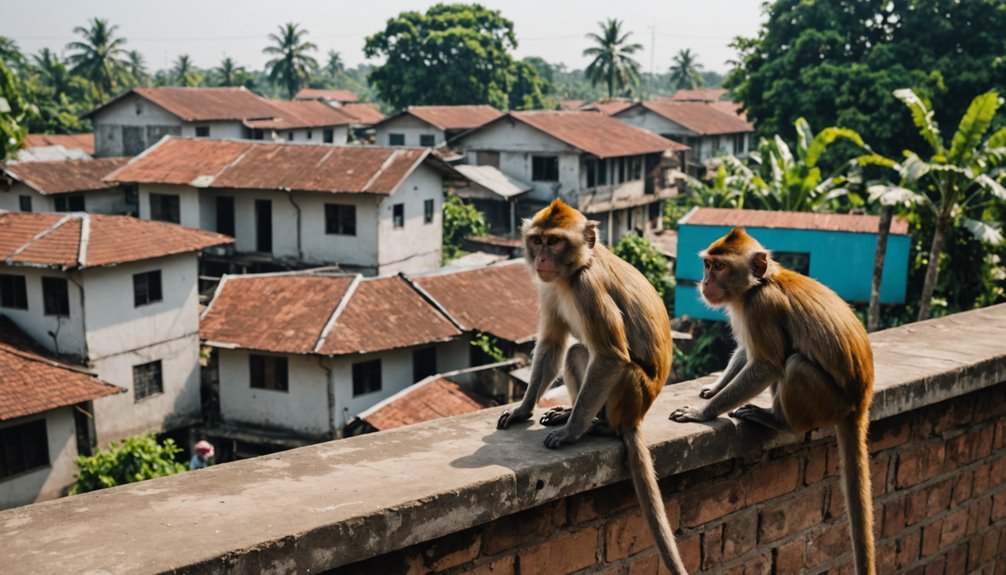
208,30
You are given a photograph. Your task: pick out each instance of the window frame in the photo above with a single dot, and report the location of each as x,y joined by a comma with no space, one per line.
429,210
261,367
544,168
66,203
162,215
16,441
24,201
203,131
398,215
328,136
424,362
335,219
147,288
392,136
151,369
60,308
427,140
364,376
13,293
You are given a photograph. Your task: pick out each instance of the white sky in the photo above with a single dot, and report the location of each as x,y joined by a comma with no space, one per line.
208,30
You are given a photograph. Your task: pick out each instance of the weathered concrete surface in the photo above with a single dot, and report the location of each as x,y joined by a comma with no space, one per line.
322,506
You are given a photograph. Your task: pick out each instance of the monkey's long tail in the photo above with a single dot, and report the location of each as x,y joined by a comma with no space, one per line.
856,484
644,478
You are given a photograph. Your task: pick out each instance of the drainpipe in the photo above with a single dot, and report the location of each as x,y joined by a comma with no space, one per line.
289,195
330,387
83,319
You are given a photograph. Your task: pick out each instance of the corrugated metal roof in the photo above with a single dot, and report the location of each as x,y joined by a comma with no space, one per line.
207,104
326,94
854,223
83,142
364,114
494,180
454,117
700,95
208,163
302,114
596,133
609,107
54,240
33,380
699,117
65,176
434,398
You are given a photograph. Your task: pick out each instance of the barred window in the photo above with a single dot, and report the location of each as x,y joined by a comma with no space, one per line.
147,380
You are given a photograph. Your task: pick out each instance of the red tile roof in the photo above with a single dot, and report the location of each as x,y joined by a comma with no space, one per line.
326,94
294,314
699,117
208,163
66,175
610,107
55,240
206,104
364,114
499,300
700,95
35,381
453,117
83,142
431,399
854,223
302,114
596,133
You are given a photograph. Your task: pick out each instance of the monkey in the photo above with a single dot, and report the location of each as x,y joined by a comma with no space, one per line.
622,358
798,338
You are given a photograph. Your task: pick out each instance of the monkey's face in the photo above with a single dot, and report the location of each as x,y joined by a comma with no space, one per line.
548,252
714,282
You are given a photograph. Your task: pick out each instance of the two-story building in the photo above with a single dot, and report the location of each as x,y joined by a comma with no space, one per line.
610,170
431,126
310,121
118,295
46,418
65,186
371,209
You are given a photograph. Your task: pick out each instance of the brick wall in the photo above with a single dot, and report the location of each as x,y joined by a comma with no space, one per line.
939,483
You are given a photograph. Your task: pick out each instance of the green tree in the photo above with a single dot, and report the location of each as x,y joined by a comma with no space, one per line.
51,70
184,73
133,459
838,63
100,57
529,88
461,220
334,65
452,54
292,65
14,111
686,72
646,258
229,73
137,67
612,62
10,53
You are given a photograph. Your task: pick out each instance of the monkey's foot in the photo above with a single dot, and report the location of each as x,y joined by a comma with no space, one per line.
556,416
759,415
511,416
600,428
708,392
558,438
687,414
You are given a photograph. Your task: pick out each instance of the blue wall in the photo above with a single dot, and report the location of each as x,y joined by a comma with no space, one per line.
842,261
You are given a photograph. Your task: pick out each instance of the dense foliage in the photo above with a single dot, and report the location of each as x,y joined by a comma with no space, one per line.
133,459
611,62
646,258
461,220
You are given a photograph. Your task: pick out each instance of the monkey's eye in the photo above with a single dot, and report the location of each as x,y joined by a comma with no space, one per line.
536,241
719,266
552,240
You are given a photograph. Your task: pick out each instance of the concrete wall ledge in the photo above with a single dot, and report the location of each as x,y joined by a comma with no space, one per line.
328,505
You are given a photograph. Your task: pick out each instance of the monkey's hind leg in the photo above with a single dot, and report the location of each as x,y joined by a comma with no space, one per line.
573,373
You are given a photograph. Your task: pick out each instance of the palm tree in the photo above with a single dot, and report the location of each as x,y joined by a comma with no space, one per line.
334,65
612,58
10,53
99,57
686,72
184,73
292,65
229,73
51,70
136,67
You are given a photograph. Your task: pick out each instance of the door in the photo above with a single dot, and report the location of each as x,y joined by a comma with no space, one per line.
225,215
263,226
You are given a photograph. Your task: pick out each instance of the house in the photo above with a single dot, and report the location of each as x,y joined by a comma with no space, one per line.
494,194
611,171
334,97
706,129
609,107
303,121
369,209
431,126
65,186
118,296
300,354
718,98
53,147
835,249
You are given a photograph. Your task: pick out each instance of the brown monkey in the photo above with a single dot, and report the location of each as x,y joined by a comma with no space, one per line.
800,338
623,356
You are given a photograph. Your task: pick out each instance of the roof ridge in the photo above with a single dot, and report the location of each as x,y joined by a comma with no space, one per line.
384,165
40,235
39,358
330,324
432,301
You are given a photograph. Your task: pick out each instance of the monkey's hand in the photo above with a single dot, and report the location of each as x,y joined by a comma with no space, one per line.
512,416
709,391
559,437
686,414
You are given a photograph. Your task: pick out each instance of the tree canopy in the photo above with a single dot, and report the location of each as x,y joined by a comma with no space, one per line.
838,64
292,65
100,57
612,62
686,72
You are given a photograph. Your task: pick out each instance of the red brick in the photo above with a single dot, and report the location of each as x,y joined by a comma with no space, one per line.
453,550
908,548
712,547
878,474
992,406
999,467
833,461
789,557
999,441
957,453
981,444
740,535
938,498
761,565
936,567
773,479
931,538
704,504
502,566
890,437
887,554
957,560
920,463
989,545
915,507
962,488
836,501
529,526
954,527
603,502
789,517
983,480
817,462
647,566
690,549
894,517
999,506
626,535
979,516
829,544
1002,541
566,554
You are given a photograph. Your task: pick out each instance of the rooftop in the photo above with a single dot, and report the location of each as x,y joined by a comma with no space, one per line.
79,240
853,223
700,95
451,117
699,117
326,94
64,176
363,114
609,107
435,397
596,133
302,114
83,142
203,104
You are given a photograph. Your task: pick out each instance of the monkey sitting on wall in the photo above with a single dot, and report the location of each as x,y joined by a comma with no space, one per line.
623,356
799,338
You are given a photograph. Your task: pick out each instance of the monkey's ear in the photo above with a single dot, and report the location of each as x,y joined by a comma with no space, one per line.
759,264
590,232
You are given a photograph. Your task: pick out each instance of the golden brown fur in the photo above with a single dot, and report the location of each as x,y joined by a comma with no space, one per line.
800,338
623,356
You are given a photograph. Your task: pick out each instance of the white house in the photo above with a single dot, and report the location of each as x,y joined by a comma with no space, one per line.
431,126
614,172
369,209
65,186
45,418
118,294
311,122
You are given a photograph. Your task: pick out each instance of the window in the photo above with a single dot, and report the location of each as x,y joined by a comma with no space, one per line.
258,134
24,203
70,203
366,377
591,167
13,292
544,168
147,380
621,170
310,134
602,172
289,136
396,139
427,140
340,219
202,131
131,197
225,215
796,261
738,144
328,136
635,168
146,288
268,372
23,448
398,215
428,206
165,208
55,296
424,363
139,108
263,226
